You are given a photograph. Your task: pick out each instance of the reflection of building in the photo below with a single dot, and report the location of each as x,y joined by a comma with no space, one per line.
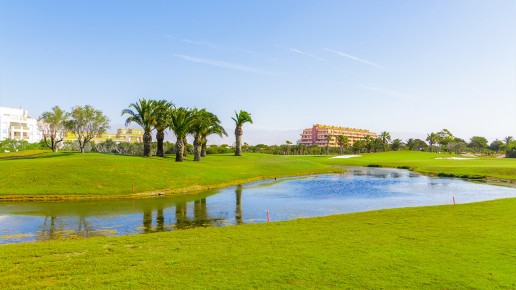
19,125
121,135
317,135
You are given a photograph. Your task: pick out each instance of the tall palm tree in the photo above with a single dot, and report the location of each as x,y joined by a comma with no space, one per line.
142,115
343,142
432,138
240,119
386,137
181,123
213,128
329,137
507,140
163,111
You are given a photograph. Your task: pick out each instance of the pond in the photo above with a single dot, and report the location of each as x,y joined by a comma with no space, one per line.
359,189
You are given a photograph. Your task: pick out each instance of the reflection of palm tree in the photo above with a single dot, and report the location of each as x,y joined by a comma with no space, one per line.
49,231
200,211
160,221
181,221
147,221
238,209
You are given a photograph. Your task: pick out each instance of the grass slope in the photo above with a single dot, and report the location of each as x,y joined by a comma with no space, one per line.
33,173
426,162
445,247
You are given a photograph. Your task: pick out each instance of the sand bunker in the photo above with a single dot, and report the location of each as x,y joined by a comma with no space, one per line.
455,158
346,156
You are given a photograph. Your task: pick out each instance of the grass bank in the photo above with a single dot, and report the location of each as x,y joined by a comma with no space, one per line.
47,175
446,165
444,247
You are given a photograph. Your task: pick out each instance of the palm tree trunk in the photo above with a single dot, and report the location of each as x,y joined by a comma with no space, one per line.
197,149
147,140
185,153
203,147
179,150
238,140
160,136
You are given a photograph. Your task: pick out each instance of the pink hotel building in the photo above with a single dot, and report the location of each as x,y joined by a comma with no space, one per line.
317,135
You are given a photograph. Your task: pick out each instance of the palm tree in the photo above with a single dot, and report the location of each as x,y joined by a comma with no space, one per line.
163,111
142,115
396,144
181,123
213,128
507,140
343,142
200,122
240,119
432,139
329,137
385,136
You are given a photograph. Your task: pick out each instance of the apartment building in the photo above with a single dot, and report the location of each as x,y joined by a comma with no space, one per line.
130,135
317,135
17,124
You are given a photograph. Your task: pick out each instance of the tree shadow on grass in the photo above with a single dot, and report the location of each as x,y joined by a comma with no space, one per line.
39,155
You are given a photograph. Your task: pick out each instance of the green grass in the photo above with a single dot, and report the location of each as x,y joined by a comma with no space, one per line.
37,173
43,174
426,163
444,247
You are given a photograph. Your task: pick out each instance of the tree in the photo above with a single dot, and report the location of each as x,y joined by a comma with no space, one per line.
358,146
288,143
343,142
368,143
200,122
396,144
240,119
53,127
477,142
329,137
497,145
416,144
86,123
144,116
432,138
386,137
214,127
507,140
181,123
445,137
162,114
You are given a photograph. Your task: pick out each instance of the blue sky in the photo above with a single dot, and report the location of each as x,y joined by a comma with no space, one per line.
397,66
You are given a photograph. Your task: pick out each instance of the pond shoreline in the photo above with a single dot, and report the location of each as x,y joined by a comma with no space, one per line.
194,189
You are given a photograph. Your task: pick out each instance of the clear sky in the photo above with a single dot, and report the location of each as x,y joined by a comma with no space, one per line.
397,66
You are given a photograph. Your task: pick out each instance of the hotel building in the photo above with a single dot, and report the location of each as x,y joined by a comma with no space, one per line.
17,124
317,135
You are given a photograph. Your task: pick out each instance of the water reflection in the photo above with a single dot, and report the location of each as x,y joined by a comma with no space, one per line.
359,189
238,209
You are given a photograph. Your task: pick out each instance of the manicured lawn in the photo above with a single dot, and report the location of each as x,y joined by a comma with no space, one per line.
37,173
427,163
445,247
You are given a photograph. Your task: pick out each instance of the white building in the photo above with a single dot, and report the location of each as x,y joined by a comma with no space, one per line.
19,125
